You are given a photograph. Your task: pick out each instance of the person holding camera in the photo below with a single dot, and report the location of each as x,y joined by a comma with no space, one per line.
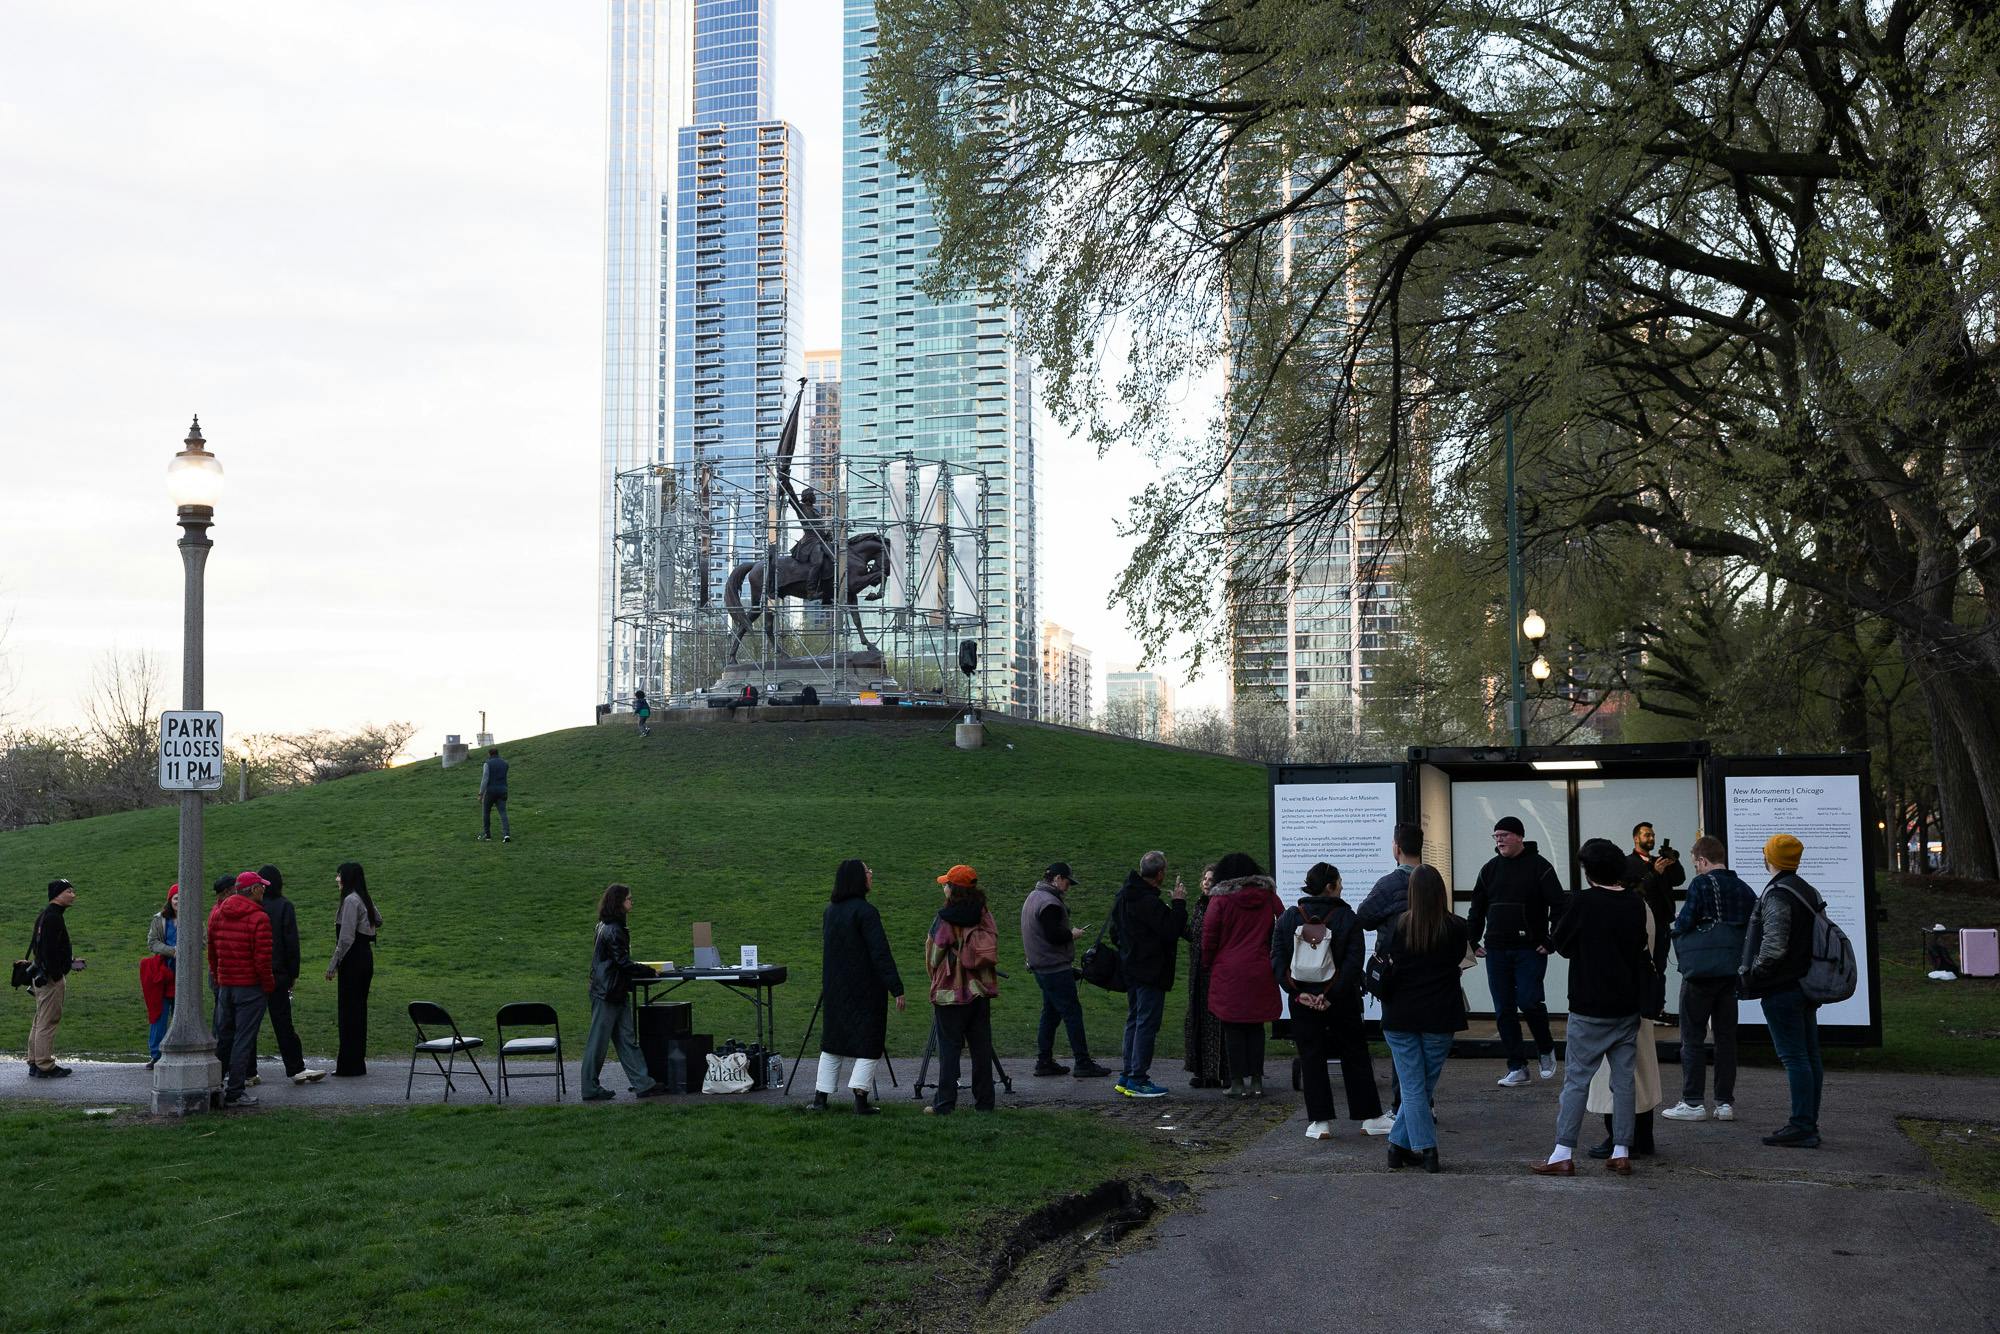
50,962
1654,875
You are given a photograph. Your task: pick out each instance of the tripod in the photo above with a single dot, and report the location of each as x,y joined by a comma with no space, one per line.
930,1050
805,1038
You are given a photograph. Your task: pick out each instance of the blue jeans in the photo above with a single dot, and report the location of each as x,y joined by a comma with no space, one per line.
1516,979
1794,1024
157,1030
1060,1005
1419,1061
1143,1007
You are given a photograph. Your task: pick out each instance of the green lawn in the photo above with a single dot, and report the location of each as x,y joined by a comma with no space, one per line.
1968,1157
528,1218
736,825
1942,1027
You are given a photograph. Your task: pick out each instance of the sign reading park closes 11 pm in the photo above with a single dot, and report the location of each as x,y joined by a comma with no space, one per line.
191,751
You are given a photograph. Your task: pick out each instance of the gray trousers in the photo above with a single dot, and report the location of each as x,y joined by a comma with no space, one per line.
611,1028
1590,1041
239,1013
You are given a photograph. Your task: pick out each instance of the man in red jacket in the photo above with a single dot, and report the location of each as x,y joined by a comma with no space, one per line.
239,963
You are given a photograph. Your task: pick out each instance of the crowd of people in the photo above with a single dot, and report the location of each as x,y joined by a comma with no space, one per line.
1253,960
254,962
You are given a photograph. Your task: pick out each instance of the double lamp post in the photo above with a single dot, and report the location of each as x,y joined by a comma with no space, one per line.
187,1076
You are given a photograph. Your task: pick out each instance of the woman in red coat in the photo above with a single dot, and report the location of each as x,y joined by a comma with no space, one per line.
1236,944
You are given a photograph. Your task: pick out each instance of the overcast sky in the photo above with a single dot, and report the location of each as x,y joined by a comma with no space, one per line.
365,242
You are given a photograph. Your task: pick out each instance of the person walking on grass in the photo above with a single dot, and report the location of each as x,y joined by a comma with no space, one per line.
50,962
962,956
1243,908
1048,942
1708,940
492,793
1320,969
1780,953
611,1025
857,978
239,963
1423,1009
1148,933
640,710
156,972
1602,932
355,923
1516,895
285,963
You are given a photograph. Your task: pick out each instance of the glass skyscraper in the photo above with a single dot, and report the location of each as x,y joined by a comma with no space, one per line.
940,380
737,349
645,98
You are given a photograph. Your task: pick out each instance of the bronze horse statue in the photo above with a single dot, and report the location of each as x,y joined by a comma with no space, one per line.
867,568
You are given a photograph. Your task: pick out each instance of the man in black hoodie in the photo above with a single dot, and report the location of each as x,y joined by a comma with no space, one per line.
1148,935
53,962
1512,902
1655,878
285,967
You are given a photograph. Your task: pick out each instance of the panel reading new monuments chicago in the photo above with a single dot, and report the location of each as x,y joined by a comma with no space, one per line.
1824,813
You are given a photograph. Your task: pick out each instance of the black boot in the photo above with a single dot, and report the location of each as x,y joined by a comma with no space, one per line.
861,1107
818,1103
1429,1158
1400,1157
1642,1135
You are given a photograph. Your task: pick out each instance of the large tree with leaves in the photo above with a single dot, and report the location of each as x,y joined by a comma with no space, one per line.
1722,259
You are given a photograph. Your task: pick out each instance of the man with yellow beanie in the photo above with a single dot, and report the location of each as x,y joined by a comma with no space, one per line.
1777,955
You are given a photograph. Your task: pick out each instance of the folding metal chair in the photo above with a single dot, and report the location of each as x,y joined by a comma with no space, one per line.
427,1012
529,1014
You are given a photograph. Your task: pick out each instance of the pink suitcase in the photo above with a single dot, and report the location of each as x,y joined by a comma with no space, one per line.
1979,953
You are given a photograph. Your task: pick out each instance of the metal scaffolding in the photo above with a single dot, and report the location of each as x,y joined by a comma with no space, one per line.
899,556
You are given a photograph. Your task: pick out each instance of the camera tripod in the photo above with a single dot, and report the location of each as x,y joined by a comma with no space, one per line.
930,1050
806,1038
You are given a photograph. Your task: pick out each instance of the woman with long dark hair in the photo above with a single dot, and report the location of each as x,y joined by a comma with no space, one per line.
1236,945
857,977
1201,1053
1424,1007
962,956
355,923
611,974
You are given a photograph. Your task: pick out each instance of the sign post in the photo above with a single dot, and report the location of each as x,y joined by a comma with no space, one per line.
191,751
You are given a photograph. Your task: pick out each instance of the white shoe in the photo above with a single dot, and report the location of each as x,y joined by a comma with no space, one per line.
1513,1079
1682,1111
1724,1112
308,1076
1378,1125
1319,1130
1548,1065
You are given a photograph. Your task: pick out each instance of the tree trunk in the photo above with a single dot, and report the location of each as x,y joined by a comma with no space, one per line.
1965,739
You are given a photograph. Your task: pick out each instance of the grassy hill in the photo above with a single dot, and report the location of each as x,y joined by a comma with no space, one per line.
740,826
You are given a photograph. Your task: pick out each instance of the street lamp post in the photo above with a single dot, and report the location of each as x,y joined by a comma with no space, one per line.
1515,689
187,1075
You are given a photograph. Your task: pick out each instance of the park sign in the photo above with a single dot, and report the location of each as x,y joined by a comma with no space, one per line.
191,751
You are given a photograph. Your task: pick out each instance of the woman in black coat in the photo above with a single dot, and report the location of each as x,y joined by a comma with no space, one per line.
857,977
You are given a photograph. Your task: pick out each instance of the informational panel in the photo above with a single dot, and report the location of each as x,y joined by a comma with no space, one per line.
1825,813
1542,806
1350,824
1609,807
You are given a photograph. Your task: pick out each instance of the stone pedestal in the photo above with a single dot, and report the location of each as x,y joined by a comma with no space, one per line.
454,752
971,736
788,677
185,1082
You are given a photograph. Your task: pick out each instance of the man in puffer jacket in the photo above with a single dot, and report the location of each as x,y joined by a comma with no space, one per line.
1777,956
239,963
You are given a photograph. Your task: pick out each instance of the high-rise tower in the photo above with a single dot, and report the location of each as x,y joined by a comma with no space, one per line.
646,96
937,379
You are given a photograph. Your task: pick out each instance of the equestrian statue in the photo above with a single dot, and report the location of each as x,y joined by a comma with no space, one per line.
806,572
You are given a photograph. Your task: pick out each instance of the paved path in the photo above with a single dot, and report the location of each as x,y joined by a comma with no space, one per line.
1717,1233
